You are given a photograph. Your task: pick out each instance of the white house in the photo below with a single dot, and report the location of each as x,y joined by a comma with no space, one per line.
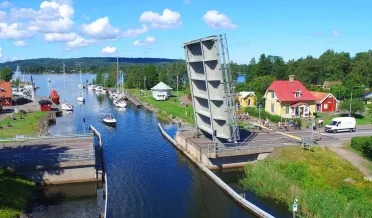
161,91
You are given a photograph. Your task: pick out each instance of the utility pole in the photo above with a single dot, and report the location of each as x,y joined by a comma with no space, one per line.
351,99
177,84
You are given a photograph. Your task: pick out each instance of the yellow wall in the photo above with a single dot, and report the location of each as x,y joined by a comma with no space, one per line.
244,102
279,108
268,101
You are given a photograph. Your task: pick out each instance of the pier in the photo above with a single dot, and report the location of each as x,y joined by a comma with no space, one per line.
133,99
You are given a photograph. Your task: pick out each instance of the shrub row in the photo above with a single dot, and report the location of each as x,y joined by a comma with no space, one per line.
363,144
273,118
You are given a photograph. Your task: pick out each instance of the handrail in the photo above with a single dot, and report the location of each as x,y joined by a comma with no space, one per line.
106,198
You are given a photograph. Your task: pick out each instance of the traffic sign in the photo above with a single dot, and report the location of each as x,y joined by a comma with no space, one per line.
295,208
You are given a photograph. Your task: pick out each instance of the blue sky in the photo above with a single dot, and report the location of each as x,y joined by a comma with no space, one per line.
144,28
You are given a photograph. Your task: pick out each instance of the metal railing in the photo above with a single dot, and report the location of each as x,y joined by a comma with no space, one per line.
215,148
106,198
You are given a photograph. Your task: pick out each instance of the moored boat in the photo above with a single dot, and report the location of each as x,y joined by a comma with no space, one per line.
54,96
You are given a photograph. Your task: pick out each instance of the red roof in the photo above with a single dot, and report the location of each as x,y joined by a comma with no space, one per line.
321,96
297,104
5,89
286,90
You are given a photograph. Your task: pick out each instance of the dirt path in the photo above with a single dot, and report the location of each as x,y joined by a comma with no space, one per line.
355,159
184,99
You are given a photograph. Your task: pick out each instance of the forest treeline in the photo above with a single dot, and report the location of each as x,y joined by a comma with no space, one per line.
88,64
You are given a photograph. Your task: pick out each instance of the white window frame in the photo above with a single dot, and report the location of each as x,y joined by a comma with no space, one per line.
272,107
298,94
325,106
287,109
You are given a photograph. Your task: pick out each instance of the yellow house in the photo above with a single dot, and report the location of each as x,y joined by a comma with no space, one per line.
247,99
289,98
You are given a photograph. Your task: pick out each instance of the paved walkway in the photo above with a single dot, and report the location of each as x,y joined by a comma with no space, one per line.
353,158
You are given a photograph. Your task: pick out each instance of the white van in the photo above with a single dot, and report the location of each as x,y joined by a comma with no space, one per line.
341,124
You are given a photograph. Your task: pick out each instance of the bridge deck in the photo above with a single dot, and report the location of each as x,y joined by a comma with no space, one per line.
51,159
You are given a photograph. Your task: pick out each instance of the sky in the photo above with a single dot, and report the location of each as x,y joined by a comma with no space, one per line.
158,28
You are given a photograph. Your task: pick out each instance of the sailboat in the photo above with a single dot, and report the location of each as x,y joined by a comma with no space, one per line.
66,106
80,98
119,101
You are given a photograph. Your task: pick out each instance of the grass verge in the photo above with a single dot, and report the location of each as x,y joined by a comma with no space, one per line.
26,126
171,106
14,193
315,178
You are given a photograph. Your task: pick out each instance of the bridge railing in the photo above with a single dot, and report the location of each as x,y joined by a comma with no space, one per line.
216,148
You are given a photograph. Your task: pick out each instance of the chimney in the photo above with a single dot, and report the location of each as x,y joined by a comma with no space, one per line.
291,78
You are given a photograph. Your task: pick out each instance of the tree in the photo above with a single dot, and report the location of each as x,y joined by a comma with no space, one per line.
6,74
17,82
357,106
369,111
149,72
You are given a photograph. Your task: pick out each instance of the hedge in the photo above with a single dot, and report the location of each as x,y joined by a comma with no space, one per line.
273,118
363,144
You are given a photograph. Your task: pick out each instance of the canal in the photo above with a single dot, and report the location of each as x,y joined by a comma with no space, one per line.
147,177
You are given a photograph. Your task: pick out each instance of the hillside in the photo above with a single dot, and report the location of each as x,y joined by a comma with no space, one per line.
89,64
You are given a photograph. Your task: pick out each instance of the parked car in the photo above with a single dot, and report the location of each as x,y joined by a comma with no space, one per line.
341,124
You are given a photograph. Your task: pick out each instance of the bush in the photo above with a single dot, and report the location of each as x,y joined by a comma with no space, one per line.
363,144
273,118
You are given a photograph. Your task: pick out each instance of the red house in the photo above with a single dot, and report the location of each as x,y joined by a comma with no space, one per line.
325,102
6,93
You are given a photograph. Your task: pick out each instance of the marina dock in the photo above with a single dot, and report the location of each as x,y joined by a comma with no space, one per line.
134,100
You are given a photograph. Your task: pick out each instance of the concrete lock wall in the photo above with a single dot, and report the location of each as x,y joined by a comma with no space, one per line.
193,150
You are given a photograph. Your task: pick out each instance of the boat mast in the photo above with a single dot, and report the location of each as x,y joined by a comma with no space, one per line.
117,73
64,81
81,91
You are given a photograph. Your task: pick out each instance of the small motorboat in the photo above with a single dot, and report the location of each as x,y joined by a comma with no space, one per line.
91,87
80,98
100,90
109,120
67,106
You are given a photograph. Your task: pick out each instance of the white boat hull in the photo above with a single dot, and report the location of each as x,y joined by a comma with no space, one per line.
67,107
109,121
80,99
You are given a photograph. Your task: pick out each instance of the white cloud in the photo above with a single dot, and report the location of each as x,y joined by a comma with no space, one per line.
169,19
5,4
187,2
14,31
149,40
135,32
109,50
218,20
53,16
20,43
60,37
1,52
336,33
3,15
100,29
79,42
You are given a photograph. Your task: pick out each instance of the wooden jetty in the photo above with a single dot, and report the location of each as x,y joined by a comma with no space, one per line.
134,100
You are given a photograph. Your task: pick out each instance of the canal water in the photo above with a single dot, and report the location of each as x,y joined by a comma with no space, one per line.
147,176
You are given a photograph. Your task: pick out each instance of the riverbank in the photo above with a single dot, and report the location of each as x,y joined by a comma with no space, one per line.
169,110
29,124
324,184
14,193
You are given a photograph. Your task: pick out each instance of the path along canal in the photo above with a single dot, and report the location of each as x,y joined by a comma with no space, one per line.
147,177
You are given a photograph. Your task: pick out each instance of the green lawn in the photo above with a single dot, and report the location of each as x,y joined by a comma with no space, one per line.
315,178
171,106
14,193
27,126
360,119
